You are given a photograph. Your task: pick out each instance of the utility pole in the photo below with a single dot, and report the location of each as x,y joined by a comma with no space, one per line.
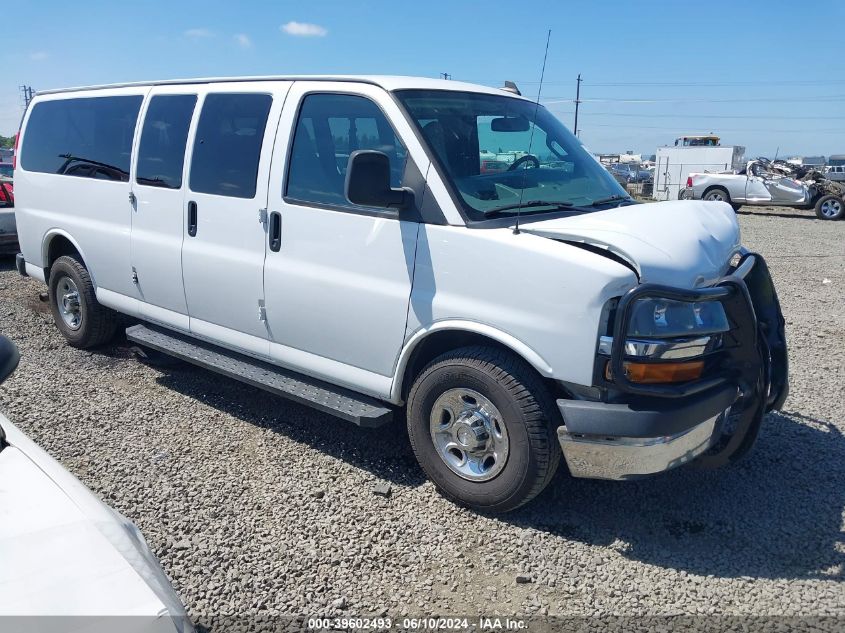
26,91
577,102
446,75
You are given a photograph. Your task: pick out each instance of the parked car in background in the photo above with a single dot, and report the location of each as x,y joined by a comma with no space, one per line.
620,177
641,175
67,554
7,170
763,182
8,228
631,173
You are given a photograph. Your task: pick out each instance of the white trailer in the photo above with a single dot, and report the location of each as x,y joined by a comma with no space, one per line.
675,164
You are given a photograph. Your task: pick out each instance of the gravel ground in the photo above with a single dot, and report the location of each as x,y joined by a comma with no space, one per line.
258,506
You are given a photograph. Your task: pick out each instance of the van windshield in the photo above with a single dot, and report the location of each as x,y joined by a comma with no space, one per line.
493,154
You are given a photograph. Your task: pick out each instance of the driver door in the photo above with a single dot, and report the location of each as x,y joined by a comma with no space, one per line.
785,190
337,277
755,187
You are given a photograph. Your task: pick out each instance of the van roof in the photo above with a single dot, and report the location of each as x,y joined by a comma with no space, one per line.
388,82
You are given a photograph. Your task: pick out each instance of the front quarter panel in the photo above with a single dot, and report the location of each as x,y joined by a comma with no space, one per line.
538,296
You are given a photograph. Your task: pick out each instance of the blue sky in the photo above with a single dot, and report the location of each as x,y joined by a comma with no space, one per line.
764,74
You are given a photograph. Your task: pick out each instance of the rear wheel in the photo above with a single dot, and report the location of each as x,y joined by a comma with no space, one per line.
830,208
718,194
73,302
482,426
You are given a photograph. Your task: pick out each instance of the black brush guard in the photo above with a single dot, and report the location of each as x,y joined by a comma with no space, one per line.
756,362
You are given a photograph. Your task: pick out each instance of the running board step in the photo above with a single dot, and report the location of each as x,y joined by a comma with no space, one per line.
342,403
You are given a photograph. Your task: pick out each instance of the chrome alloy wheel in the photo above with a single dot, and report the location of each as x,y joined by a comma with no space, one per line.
715,196
469,434
67,298
831,208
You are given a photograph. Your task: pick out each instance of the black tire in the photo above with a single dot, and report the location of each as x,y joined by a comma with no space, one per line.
830,208
736,207
528,413
717,194
97,324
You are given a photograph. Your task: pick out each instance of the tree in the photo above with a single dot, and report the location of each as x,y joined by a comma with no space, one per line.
7,141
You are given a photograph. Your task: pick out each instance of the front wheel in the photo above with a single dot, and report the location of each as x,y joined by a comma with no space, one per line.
830,208
483,427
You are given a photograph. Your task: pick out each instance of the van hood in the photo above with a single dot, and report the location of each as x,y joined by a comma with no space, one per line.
682,243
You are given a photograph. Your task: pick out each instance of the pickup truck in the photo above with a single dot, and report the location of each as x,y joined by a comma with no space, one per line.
763,182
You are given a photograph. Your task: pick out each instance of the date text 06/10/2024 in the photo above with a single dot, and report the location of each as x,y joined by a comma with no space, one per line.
419,624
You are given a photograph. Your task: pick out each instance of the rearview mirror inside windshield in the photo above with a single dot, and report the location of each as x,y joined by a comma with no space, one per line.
510,124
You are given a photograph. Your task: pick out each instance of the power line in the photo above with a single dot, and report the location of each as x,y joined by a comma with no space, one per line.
675,115
660,127
819,99
691,84
725,84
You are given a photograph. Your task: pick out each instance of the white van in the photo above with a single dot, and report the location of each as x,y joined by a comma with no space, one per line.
835,172
334,240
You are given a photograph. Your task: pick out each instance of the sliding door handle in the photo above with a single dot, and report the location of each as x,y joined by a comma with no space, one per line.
192,218
275,231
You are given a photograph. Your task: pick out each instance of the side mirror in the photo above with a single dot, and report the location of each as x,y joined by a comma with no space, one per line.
9,358
368,182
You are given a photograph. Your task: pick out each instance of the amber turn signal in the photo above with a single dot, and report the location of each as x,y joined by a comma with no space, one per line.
659,372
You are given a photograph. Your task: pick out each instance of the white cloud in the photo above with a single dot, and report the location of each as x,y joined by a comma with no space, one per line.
243,40
39,56
196,34
303,29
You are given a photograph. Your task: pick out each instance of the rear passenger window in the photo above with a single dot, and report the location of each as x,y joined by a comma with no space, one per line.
228,144
87,137
161,156
329,129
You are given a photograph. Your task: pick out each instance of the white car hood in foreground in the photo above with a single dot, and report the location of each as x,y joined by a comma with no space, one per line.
684,243
63,553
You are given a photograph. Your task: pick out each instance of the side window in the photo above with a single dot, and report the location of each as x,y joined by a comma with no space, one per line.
228,144
330,127
161,156
87,137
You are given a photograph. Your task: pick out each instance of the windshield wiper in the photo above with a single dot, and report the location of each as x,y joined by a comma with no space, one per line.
561,204
601,201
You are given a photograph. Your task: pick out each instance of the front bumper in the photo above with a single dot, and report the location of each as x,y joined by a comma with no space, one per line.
658,427
596,457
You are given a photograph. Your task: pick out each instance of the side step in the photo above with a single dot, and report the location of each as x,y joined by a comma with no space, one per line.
343,403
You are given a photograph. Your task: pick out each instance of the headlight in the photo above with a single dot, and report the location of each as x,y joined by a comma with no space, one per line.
666,318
